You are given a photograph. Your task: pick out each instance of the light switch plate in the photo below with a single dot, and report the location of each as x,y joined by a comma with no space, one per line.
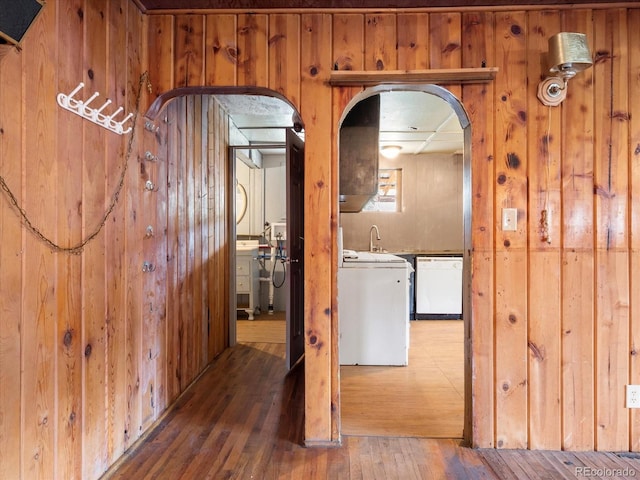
509,219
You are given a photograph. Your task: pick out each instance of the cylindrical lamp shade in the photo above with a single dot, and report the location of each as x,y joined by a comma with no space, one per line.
569,53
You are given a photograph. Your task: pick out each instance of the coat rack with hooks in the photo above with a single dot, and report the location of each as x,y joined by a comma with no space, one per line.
94,115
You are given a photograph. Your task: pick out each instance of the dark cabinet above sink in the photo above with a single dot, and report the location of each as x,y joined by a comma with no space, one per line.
359,154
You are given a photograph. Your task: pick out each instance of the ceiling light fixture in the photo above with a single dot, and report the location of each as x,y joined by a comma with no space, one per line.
568,54
390,151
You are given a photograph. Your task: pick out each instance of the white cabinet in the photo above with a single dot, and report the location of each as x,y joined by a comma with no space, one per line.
247,277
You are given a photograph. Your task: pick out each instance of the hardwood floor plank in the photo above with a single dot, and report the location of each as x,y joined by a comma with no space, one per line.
243,419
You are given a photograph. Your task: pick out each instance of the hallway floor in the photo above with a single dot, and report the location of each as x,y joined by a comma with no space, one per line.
243,419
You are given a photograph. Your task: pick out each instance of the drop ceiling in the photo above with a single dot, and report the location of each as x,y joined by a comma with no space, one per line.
418,122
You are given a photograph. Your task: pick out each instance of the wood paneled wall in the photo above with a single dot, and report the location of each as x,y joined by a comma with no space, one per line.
92,349
553,328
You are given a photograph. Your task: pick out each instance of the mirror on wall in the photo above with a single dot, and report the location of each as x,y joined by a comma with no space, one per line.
241,202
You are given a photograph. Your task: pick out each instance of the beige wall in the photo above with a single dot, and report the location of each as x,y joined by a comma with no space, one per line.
431,216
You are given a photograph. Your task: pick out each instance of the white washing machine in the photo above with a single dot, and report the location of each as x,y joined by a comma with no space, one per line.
373,309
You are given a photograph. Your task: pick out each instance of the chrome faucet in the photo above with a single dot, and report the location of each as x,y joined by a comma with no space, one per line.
371,247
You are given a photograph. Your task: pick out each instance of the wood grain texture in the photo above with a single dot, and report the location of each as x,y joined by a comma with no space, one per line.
256,432
39,325
284,56
445,45
380,33
413,41
544,155
479,100
69,327
634,234
511,266
189,54
253,49
577,137
316,102
12,278
612,235
221,50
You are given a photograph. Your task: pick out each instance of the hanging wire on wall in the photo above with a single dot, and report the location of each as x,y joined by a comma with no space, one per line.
78,249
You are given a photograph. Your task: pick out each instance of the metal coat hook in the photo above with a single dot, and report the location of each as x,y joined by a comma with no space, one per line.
94,115
151,127
148,267
149,185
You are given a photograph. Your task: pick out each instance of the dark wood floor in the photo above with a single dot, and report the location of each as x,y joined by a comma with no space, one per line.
243,419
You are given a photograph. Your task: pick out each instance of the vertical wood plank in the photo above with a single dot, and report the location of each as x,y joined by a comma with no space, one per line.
150,304
94,266
510,250
445,46
173,365
315,110
189,49
284,56
221,50
218,171
380,42
348,42
203,232
477,42
161,48
116,148
544,253
413,41
161,45
633,19
253,55
192,312
69,328
39,199
11,260
577,252
162,350
183,298
199,316
611,218
135,189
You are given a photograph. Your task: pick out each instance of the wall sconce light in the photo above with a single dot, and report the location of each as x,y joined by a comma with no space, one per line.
568,54
390,151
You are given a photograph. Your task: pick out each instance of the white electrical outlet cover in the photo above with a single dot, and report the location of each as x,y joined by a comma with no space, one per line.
633,396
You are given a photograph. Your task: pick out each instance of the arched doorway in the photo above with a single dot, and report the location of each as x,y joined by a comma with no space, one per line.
363,235
269,123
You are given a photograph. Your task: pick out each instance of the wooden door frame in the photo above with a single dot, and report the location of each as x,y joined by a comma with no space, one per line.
467,310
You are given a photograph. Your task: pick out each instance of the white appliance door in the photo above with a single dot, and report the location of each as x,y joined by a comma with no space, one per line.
374,316
439,285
